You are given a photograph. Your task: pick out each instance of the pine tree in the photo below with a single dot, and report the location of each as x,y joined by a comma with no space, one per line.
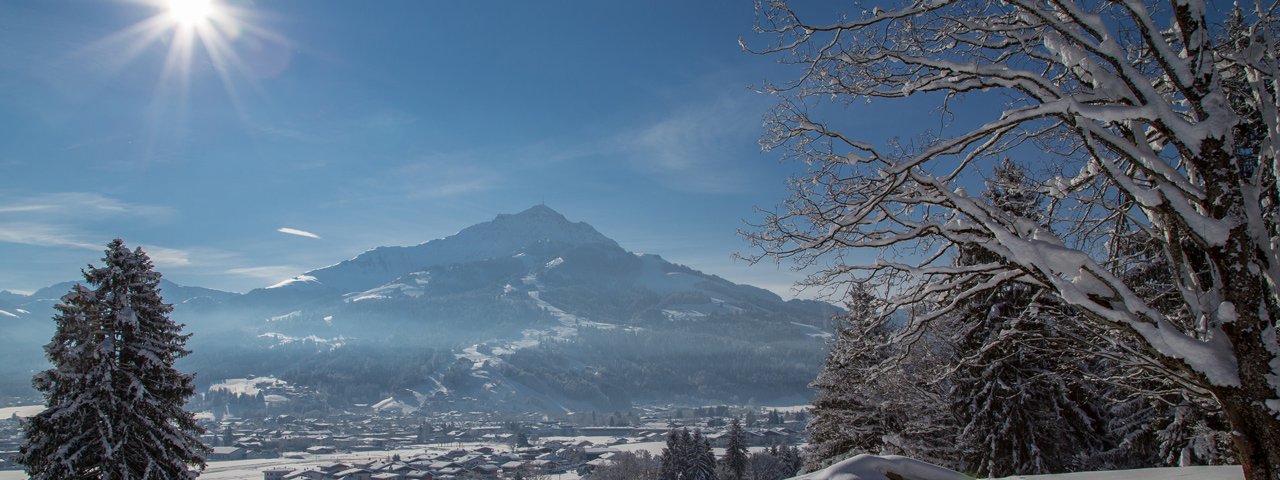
115,400
735,456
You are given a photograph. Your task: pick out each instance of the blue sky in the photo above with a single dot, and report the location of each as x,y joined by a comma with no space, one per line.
375,123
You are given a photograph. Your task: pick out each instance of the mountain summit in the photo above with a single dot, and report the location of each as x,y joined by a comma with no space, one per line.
503,236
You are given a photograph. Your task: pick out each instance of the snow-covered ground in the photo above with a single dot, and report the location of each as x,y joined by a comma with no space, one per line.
873,467
865,470
1224,472
22,411
252,469
246,386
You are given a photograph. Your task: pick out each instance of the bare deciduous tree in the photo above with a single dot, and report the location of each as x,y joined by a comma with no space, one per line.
1165,117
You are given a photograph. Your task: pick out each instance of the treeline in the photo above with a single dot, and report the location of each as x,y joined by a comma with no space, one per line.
690,456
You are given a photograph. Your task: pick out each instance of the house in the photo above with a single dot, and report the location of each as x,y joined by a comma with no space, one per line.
228,453
307,475
276,473
354,474
319,450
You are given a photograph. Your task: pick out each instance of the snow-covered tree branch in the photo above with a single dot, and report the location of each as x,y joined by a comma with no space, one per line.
1150,119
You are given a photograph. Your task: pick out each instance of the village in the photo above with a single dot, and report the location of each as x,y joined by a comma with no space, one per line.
395,444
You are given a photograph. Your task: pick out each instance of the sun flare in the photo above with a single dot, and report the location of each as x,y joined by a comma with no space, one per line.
190,12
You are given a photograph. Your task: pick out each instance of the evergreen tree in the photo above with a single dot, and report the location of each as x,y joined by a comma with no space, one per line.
675,460
115,400
735,456
702,461
847,413
1021,408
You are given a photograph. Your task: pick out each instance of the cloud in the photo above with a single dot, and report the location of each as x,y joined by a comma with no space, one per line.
433,176
168,257
79,205
43,235
300,233
696,148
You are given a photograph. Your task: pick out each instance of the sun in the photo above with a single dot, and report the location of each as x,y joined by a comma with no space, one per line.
190,12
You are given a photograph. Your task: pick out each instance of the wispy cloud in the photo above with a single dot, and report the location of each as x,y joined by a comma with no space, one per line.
300,233
168,257
43,235
434,176
697,147
79,205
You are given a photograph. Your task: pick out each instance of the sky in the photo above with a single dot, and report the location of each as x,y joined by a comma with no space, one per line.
271,138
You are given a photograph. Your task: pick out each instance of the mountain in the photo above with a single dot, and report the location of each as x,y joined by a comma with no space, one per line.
528,312
503,235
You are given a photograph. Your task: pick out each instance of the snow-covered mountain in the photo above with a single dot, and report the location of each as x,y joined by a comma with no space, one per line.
493,239
528,311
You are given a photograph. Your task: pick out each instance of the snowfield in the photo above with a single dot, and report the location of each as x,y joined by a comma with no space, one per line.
22,411
872,467
861,467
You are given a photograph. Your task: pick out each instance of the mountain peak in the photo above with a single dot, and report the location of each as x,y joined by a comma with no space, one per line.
540,210
534,224
504,236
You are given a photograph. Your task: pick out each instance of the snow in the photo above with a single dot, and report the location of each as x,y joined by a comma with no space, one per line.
287,316
246,386
683,315
363,297
1221,472
300,279
23,411
282,339
817,332
391,404
872,467
1227,312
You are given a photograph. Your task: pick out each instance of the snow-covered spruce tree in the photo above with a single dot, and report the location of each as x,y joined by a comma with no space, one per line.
735,452
675,459
703,458
877,397
114,398
1162,123
1019,398
846,413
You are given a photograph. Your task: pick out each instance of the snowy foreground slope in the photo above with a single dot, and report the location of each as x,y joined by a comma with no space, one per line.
871,468
893,467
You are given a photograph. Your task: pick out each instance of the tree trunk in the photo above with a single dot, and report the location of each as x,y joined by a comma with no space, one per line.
1256,434
1255,428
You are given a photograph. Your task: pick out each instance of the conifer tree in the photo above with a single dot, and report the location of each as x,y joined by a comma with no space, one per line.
702,461
114,398
735,456
847,416
675,460
1019,413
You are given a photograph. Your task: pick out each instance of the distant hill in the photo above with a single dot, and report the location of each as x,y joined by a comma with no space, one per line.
528,311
